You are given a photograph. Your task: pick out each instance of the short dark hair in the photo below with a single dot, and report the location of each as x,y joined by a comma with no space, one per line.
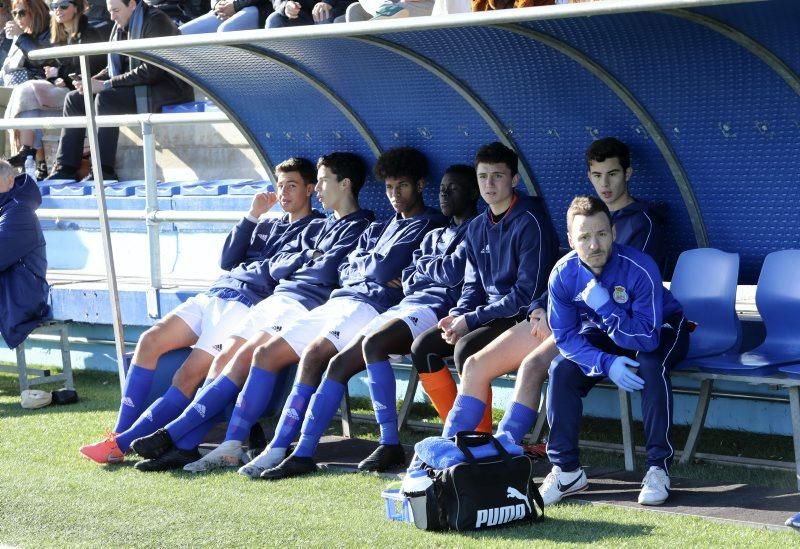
301,165
609,147
466,174
586,205
496,153
402,162
346,165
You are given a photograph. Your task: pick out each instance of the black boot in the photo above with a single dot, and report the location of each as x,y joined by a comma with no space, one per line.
174,458
41,170
154,445
383,458
63,172
18,160
292,466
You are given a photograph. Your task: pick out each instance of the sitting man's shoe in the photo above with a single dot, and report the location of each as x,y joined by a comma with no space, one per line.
559,484
153,446
108,175
105,451
793,522
18,160
63,172
292,466
175,458
655,487
383,458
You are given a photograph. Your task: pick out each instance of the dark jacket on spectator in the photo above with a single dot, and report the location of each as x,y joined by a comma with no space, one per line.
264,9
86,34
163,88
27,43
23,263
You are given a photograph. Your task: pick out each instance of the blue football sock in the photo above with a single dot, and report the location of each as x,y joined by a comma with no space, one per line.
207,403
292,416
517,421
162,411
193,438
466,414
323,406
382,390
251,404
137,387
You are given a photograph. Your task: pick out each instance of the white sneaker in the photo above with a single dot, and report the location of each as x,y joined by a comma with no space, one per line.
227,454
269,458
655,487
558,484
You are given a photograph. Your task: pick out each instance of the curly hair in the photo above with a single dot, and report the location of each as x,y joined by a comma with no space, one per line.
402,162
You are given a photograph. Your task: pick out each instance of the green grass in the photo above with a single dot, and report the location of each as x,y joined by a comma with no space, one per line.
50,497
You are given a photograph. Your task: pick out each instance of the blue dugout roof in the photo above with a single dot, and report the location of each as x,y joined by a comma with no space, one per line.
706,93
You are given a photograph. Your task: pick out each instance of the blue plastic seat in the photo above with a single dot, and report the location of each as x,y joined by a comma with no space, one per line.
704,282
778,302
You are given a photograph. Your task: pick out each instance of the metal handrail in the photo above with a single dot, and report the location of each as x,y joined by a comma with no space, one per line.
108,120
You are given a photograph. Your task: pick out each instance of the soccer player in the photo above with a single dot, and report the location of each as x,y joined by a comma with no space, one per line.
609,312
370,284
432,284
308,271
529,347
510,249
206,320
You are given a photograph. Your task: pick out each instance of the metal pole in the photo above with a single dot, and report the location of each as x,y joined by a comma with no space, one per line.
105,230
153,225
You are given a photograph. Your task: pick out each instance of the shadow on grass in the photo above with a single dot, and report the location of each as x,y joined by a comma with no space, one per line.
566,531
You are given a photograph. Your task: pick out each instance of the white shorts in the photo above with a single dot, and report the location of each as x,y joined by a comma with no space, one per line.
212,319
418,318
271,315
339,321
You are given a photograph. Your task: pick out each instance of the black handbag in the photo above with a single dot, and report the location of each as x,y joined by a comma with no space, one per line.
482,493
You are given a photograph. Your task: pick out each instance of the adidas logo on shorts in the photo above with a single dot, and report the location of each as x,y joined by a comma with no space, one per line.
414,319
128,401
218,347
277,328
334,333
201,409
378,406
292,413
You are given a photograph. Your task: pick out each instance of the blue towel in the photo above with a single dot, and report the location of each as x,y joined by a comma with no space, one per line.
441,453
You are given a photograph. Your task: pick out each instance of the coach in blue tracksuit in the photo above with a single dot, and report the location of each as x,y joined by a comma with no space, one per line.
609,311
206,320
510,249
23,263
432,284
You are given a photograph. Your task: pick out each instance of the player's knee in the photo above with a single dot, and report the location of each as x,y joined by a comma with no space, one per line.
337,369
152,343
188,378
372,347
261,357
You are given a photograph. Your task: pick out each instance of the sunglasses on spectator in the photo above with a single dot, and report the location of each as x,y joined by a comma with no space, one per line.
19,13
63,5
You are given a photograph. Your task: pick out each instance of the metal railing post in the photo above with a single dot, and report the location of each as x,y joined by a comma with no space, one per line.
152,223
105,230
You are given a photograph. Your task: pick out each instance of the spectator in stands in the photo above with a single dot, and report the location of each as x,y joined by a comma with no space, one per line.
609,311
208,319
309,272
30,28
120,88
292,13
510,249
68,25
432,284
370,280
230,15
5,40
529,345
366,10
23,263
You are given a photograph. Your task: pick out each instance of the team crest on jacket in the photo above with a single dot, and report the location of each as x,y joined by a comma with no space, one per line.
620,294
